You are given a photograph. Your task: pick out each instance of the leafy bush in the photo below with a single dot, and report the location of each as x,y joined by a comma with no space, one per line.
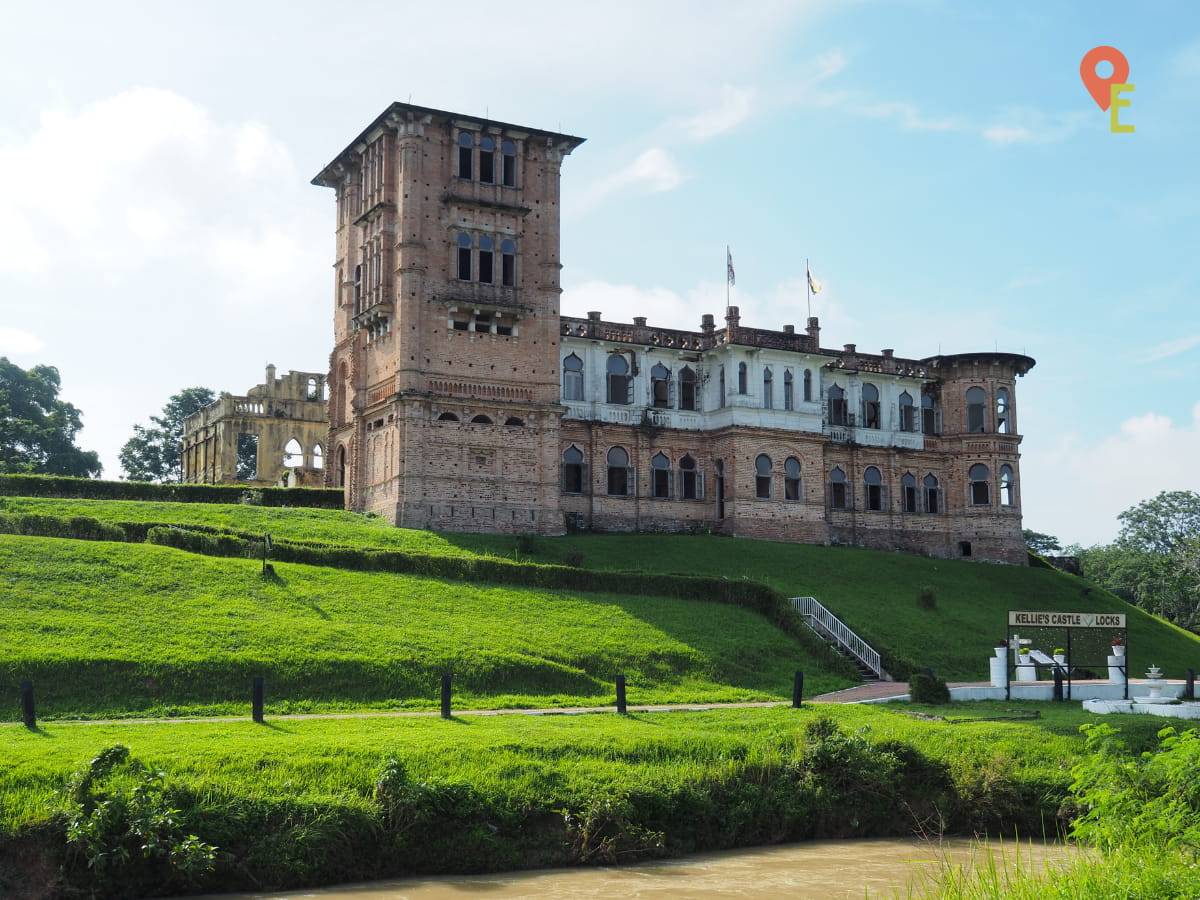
930,689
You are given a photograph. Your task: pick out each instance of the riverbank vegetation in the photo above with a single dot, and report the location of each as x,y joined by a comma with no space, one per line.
314,801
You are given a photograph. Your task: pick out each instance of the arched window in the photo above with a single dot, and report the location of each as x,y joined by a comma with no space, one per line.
838,495
689,479
487,160
762,477
742,380
316,390
572,378
486,248
660,387
870,402
514,422
466,146
807,385
573,471
619,473
508,154
933,495
981,494
768,388
357,289
340,469
908,492
1008,495
1003,412
837,405
508,262
976,410
908,413
931,416
661,470
722,380
873,481
293,454
791,478
318,457
481,419
464,256
620,384
447,417
687,389
789,390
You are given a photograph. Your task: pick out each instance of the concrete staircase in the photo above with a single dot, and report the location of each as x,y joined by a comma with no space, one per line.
838,635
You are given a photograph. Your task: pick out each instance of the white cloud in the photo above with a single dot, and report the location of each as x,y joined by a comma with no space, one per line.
1033,126
829,64
15,341
731,111
1171,348
1076,489
653,171
1001,134
908,116
160,182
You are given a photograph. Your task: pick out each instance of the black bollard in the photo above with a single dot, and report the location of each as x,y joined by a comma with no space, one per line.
27,710
797,689
1058,683
621,694
256,703
445,696
1189,689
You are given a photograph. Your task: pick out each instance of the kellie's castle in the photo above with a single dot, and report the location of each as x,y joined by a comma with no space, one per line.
461,399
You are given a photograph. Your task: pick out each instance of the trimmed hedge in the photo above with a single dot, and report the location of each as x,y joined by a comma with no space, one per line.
83,528
94,489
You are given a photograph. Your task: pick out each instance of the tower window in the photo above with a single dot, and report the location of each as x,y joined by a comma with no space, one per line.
508,262
981,494
742,388
618,472
508,158
870,402
464,256
689,482
789,390
487,160
572,471
486,246
660,387
976,410
791,478
908,493
838,496
908,413
837,405
768,389
933,494
687,389
661,469
873,481
466,144
620,383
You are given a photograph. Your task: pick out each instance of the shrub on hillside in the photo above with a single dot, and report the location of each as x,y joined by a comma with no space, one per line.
930,689
94,489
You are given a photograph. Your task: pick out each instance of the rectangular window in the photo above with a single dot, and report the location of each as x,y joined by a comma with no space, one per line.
510,170
762,487
464,263
874,497
485,266
572,478
662,484
837,495
508,269
910,498
487,166
464,161
788,398
483,322
932,502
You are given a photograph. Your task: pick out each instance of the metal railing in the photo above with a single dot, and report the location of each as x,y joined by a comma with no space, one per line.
830,627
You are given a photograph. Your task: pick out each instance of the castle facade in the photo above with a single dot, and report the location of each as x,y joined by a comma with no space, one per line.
462,400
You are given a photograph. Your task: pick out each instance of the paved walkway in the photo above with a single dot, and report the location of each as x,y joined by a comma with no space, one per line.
874,691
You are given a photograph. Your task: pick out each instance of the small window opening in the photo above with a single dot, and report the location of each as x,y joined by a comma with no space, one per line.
508,153
837,405
487,160
661,470
687,389
572,470
742,378
572,378
660,387
293,454
791,478
466,144
976,412
688,479
762,477
768,389
870,398
508,262
618,472
789,390
486,246
980,488
247,457
620,384
873,481
481,419
838,495
908,493
464,257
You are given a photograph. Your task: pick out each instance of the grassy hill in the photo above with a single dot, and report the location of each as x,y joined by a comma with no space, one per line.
108,628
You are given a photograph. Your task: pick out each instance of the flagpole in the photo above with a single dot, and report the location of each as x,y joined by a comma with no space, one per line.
808,284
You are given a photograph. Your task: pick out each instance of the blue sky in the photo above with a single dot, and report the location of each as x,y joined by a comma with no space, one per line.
941,164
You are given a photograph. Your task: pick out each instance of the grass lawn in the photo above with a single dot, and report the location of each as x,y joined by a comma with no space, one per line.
108,629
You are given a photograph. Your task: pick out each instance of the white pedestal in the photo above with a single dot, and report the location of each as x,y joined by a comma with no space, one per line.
1026,672
1115,674
999,667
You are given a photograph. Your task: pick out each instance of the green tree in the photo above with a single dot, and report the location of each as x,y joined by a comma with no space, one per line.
1155,561
156,453
1162,524
1041,544
37,430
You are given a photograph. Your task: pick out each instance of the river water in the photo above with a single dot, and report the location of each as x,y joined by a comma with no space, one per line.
818,869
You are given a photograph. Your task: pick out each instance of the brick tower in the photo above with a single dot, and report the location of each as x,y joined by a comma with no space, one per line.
444,386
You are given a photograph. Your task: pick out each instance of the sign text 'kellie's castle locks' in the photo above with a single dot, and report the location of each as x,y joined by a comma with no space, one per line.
1067,620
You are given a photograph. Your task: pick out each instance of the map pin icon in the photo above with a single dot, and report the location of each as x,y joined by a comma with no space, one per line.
1099,87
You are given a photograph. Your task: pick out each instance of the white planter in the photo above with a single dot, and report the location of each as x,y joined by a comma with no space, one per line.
1001,652
1060,658
1118,650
